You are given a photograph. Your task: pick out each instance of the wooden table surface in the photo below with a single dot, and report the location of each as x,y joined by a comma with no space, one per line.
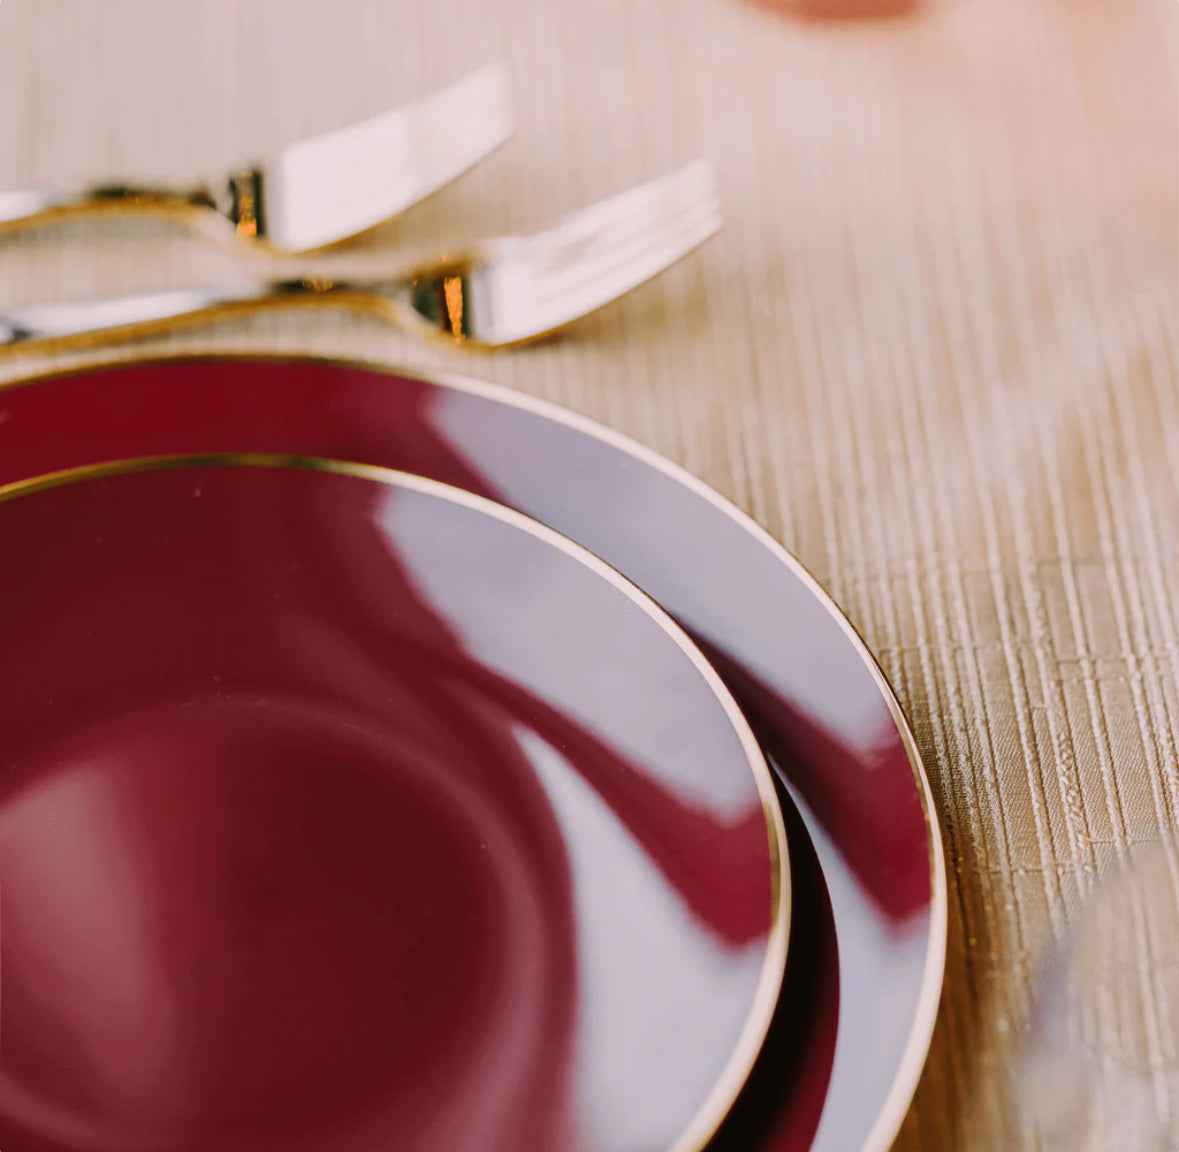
934,350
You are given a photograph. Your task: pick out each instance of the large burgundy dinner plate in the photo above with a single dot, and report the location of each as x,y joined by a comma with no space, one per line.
343,811
866,959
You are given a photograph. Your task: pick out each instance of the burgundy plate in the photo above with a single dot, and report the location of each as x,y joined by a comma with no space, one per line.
866,958
341,810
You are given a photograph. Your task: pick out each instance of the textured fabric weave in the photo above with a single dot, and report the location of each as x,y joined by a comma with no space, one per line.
934,350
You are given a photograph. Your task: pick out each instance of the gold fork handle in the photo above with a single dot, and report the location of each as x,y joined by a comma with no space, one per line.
115,317
239,201
29,206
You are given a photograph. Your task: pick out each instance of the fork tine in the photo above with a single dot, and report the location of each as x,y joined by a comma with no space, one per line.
630,241
636,209
626,241
688,183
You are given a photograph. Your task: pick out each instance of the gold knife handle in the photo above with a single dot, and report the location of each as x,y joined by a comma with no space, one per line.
116,317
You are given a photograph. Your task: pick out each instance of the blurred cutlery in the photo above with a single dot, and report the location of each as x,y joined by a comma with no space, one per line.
321,190
499,292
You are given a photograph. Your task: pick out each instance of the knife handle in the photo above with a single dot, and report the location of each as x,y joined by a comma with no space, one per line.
147,312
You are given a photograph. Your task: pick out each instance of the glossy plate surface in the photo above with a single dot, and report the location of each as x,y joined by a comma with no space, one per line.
864,980
343,810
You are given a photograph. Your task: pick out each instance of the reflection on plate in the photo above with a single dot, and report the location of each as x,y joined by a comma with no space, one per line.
861,1026
342,810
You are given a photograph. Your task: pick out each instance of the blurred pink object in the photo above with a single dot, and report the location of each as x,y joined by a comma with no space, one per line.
841,9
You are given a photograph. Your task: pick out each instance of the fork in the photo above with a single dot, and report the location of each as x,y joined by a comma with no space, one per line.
500,292
321,190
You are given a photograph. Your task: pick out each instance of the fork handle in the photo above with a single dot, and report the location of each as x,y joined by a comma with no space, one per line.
148,312
239,200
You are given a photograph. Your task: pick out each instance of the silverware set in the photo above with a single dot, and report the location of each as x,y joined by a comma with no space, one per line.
328,189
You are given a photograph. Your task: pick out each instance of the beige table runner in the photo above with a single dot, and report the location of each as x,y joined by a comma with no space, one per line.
934,350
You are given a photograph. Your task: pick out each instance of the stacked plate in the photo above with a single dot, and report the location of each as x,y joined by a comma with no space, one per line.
400,764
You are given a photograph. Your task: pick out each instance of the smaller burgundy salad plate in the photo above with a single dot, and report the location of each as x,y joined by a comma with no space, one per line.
344,811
